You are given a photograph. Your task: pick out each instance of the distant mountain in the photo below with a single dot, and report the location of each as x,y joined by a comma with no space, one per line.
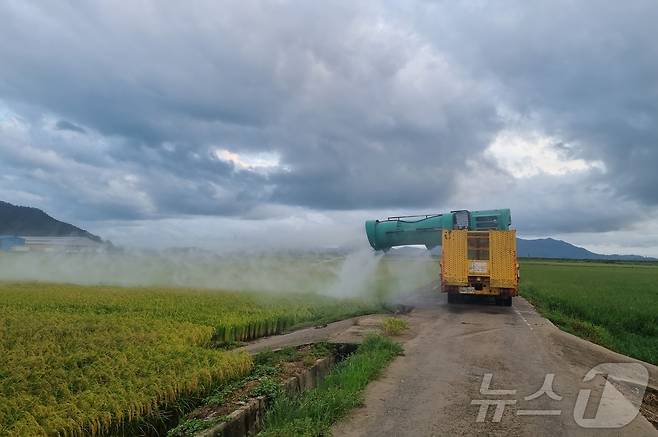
551,248
33,222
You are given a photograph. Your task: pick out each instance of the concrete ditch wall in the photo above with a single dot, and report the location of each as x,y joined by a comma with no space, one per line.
248,419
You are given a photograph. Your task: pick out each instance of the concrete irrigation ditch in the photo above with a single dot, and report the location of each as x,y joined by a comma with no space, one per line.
248,419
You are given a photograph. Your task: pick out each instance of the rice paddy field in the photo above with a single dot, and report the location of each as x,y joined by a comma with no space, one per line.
119,359
612,304
129,356
94,360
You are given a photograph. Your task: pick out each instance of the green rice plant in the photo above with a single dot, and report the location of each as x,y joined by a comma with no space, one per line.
614,305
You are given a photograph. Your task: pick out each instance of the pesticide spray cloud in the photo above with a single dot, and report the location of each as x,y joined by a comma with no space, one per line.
359,273
356,274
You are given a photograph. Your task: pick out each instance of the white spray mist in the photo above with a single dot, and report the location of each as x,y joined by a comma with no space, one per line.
356,274
360,273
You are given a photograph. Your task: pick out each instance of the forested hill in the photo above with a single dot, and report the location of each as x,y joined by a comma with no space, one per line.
27,221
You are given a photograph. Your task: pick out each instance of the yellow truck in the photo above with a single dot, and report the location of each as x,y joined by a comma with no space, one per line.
479,263
478,249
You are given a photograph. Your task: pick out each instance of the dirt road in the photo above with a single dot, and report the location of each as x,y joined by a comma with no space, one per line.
450,350
352,330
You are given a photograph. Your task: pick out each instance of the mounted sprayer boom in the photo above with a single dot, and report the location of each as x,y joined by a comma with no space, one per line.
426,229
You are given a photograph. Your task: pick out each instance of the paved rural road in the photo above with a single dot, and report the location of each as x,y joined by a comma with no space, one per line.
449,349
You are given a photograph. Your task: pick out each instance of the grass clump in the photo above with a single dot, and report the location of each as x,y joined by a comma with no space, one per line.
614,305
394,326
272,358
313,412
192,426
267,387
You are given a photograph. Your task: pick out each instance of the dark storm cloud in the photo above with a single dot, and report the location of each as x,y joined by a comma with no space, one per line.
381,105
67,125
585,72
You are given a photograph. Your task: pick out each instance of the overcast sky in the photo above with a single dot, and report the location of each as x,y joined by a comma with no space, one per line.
250,123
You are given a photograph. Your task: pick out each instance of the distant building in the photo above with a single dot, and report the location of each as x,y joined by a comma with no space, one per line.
11,242
60,244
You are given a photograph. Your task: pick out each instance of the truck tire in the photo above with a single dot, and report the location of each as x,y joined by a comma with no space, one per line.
507,301
452,298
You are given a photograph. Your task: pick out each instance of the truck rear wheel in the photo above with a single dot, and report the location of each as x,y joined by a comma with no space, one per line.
452,297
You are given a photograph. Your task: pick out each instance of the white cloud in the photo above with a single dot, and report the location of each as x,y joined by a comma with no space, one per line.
527,154
249,161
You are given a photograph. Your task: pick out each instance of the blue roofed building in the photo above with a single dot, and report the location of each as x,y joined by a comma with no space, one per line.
11,242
